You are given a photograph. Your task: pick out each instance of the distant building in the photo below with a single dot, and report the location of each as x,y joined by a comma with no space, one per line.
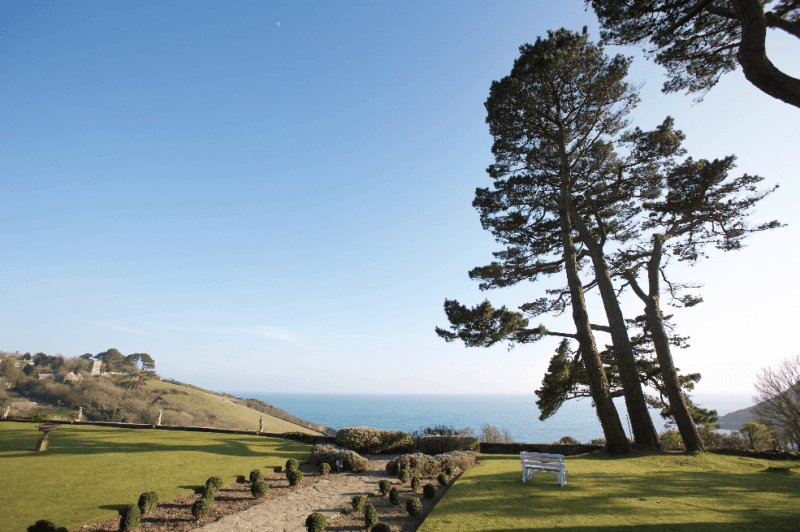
94,367
43,376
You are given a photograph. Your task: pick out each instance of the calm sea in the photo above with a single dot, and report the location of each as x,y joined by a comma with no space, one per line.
516,413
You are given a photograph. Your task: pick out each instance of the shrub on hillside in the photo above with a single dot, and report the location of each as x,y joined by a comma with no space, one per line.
384,485
380,527
358,502
414,507
394,496
201,507
415,483
316,522
324,468
370,516
444,444
259,489
294,477
255,475
442,478
325,453
404,476
292,464
429,491
147,501
130,518
366,440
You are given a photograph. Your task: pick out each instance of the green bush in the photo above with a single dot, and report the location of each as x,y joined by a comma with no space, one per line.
671,440
384,485
316,522
43,525
208,493
429,491
367,440
201,507
444,444
569,440
216,482
358,502
324,468
380,527
259,489
403,476
442,478
422,463
415,483
449,471
351,460
414,507
147,501
292,464
256,474
370,516
130,518
294,477
394,496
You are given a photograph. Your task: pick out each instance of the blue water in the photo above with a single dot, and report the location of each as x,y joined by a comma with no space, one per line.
517,413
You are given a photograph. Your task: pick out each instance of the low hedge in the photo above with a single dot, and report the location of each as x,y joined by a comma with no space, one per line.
445,444
429,465
366,440
328,454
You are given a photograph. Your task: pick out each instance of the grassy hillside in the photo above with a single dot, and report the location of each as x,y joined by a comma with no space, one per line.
225,409
90,472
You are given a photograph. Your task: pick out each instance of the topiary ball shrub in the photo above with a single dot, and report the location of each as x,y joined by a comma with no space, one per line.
147,501
394,496
130,518
384,485
208,493
294,477
259,489
415,483
442,478
380,527
42,525
429,491
358,502
292,464
403,476
449,471
324,468
200,508
414,507
216,482
316,522
370,516
256,474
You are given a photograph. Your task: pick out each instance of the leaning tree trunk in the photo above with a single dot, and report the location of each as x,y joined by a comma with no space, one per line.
644,432
677,403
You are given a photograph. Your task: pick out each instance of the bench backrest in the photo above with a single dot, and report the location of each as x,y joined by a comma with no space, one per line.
541,457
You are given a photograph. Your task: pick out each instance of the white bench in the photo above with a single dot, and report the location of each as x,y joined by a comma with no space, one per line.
553,464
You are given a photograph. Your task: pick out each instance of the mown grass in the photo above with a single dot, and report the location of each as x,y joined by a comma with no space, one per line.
89,473
651,492
241,416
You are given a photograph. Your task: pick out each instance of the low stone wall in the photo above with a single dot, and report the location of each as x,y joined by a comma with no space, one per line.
766,455
551,448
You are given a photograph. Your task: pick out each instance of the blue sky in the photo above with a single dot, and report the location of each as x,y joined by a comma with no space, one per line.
277,196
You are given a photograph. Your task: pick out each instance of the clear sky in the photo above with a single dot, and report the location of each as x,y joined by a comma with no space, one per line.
276,196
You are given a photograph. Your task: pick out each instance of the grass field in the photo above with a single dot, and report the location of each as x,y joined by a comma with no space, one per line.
243,417
88,473
647,492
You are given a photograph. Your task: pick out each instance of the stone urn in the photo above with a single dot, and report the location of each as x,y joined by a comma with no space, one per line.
47,428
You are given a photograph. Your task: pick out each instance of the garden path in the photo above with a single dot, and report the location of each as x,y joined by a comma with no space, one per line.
288,514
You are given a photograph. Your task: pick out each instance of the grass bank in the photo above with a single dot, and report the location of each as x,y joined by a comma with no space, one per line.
650,492
89,473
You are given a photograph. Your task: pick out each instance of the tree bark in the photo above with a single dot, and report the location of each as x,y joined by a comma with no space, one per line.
677,404
757,67
644,432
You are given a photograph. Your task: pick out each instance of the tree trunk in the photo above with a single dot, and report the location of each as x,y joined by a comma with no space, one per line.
677,404
644,432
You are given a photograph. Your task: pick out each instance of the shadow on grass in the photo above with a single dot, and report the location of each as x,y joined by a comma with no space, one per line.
115,507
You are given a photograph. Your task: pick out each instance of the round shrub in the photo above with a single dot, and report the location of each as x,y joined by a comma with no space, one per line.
429,491
414,507
130,518
380,527
442,478
449,471
42,525
403,476
216,482
201,507
370,516
358,502
415,483
256,474
394,496
384,485
324,468
147,501
259,489
292,464
569,440
294,477
316,522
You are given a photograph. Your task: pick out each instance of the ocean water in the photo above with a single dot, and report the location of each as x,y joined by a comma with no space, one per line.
517,413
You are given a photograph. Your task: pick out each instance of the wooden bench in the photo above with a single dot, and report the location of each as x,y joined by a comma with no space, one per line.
553,464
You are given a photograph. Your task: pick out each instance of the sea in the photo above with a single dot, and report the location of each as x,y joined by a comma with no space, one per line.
516,413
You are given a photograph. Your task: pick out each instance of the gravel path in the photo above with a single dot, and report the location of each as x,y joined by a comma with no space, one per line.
288,514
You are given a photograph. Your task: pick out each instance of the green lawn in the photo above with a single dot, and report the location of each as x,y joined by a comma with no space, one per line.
648,492
88,473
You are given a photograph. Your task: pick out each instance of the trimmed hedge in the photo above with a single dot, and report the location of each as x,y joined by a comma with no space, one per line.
380,527
201,507
414,507
366,440
370,516
423,463
259,489
444,444
316,522
294,476
292,464
328,454
131,516
429,491
394,496
358,502
255,475
147,501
